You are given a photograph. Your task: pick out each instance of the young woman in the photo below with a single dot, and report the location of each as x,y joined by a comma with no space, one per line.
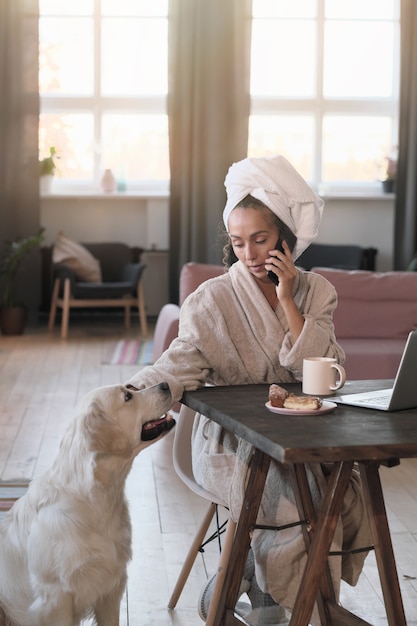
243,328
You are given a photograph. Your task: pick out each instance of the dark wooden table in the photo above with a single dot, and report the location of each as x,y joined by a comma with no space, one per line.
342,437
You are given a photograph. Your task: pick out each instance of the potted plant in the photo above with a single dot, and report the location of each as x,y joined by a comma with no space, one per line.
13,313
47,167
389,173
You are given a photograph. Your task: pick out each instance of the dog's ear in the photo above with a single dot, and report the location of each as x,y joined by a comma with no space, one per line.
104,434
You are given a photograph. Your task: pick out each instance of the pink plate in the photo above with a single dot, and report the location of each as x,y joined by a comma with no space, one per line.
326,407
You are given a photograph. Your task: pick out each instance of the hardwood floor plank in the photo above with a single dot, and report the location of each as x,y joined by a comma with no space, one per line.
42,378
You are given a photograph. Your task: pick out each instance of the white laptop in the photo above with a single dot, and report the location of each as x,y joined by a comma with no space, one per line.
403,395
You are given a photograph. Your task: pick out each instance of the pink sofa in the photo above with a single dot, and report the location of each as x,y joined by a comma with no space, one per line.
166,329
375,313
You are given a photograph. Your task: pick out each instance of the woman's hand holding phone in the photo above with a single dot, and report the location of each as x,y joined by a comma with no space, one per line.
270,273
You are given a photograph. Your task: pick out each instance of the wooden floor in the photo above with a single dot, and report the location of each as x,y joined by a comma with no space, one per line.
41,379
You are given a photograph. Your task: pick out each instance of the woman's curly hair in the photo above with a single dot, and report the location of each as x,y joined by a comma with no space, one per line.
249,202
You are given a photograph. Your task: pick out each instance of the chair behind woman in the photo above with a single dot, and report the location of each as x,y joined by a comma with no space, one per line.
183,467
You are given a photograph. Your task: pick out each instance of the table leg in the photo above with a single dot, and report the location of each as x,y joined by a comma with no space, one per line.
382,542
307,512
321,540
316,582
258,469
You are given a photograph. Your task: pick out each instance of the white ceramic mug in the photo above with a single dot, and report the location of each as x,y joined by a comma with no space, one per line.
319,376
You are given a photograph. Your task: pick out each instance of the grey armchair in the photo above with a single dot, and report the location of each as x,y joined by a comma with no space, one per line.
121,286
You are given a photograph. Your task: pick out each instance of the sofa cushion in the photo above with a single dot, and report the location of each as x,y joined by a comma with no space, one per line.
371,358
373,304
78,258
193,274
101,291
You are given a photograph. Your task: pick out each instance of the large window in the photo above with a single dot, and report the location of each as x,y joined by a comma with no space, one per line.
324,89
103,85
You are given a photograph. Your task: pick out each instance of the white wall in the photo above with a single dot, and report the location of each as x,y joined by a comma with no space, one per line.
366,221
136,221
144,222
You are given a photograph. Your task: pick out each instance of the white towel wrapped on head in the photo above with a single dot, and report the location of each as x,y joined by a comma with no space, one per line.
276,183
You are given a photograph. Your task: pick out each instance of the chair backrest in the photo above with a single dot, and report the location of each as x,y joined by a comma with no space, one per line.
338,256
181,454
182,444
113,257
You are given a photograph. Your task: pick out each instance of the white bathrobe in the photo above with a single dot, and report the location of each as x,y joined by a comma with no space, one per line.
229,335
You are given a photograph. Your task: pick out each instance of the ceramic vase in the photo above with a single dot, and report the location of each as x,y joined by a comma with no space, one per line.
45,184
108,182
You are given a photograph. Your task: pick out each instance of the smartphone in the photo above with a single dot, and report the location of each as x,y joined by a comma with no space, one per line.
270,274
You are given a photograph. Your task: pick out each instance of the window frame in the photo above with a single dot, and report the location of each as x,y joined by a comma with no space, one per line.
317,107
97,106
320,106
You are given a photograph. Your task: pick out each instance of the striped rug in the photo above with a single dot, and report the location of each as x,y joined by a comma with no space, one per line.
9,493
129,352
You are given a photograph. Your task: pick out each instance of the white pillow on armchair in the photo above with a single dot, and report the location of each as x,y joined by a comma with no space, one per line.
78,258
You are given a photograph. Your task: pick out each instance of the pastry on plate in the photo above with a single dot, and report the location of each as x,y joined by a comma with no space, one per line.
305,403
277,396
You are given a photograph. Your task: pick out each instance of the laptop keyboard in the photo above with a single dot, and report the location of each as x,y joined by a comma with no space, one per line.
375,400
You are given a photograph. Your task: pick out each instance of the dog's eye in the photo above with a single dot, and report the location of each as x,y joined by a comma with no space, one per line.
128,396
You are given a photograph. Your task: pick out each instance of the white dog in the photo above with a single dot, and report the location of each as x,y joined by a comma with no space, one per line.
65,545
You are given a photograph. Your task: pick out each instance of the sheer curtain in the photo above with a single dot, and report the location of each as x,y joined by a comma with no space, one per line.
208,108
19,116
405,236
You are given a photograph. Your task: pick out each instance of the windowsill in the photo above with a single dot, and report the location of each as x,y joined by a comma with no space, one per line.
359,191
61,191
97,195
64,189
360,195
129,195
